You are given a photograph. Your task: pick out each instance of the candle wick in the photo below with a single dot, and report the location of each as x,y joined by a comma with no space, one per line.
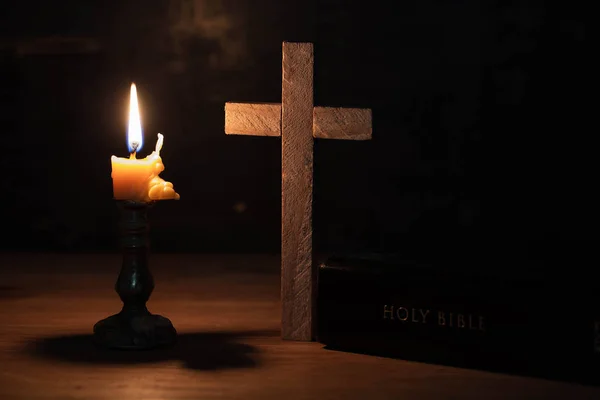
159,144
132,156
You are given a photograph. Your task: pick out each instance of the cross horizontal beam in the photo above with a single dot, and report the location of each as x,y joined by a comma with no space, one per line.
264,119
256,119
342,123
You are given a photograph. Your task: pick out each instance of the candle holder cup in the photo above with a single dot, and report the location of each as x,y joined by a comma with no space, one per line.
134,327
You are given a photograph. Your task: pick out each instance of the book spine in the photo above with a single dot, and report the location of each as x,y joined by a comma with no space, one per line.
408,315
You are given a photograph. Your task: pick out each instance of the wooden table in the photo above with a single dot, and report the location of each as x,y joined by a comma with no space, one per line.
226,310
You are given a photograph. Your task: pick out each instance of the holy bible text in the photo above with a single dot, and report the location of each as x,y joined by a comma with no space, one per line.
434,317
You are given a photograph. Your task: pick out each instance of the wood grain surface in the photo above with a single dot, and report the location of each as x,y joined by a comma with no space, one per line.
297,274
342,123
296,120
257,119
227,312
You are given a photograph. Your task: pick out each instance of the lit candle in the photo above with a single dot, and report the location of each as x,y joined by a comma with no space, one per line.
135,179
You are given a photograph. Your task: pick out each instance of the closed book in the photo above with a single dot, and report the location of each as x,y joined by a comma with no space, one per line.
470,313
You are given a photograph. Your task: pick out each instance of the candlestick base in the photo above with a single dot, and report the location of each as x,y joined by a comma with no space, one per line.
134,328
134,332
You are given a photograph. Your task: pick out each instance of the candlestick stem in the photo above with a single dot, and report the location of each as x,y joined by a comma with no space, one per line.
134,327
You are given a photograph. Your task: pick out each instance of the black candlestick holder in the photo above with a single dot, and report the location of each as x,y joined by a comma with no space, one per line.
134,327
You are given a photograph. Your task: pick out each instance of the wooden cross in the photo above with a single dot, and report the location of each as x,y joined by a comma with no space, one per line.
297,122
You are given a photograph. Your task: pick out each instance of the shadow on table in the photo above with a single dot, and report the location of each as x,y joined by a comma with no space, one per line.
199,351
582,373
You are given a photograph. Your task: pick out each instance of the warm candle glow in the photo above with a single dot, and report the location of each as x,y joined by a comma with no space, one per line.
135,139
138,179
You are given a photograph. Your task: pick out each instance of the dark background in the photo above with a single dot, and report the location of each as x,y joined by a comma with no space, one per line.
480,122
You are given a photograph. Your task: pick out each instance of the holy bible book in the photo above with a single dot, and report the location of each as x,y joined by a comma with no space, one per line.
500,315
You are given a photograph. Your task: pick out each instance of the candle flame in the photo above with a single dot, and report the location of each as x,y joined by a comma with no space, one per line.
134,132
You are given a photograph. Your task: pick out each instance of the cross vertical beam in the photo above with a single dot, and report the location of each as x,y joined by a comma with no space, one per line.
297,191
